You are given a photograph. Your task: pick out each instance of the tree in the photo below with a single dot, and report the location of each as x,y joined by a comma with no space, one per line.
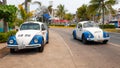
82,12
68,16
61,11
50,9
8,14
24,15
26,5
102,6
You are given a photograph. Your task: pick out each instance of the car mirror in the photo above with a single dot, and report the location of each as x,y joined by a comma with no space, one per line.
17,29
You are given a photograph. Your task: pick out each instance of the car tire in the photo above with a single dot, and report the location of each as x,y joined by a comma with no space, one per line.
74,35
41,49
47,40
12,50
105,41
84,40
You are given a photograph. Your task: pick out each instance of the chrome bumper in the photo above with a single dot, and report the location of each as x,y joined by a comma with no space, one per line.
24,46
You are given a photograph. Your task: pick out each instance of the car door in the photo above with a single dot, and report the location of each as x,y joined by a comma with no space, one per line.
79,30
44,31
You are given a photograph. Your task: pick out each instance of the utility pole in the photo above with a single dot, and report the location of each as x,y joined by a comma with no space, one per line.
26,5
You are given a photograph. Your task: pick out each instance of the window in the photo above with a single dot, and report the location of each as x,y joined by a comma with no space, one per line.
43,27
30,26
79,25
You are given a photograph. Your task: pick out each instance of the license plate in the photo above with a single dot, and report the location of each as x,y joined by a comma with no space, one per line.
21,46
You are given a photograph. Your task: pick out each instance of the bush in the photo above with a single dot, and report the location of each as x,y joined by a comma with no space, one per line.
62,25
106,26
4,36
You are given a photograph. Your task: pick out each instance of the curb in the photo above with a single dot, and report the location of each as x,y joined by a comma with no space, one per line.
3,50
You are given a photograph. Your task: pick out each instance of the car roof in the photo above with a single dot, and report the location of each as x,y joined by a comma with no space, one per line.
82,22
34,22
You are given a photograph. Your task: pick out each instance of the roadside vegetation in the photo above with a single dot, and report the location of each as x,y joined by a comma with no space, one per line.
5,35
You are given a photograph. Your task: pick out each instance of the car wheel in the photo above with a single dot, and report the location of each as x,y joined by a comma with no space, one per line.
74,36
47,40
41,49
84,40
12,50
105,41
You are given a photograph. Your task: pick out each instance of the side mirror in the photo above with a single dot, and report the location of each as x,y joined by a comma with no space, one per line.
17,29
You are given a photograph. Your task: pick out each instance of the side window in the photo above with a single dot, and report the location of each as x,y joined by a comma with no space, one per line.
43,27
79,26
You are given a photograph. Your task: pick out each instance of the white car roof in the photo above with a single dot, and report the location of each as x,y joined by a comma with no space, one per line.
82,22
34,22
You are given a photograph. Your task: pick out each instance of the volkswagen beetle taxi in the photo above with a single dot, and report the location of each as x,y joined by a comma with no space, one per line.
90,31
30,35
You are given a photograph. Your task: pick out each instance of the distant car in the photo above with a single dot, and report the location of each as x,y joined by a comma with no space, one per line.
90,31
30,35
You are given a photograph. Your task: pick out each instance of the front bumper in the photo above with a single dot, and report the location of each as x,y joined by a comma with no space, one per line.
24,46
98,39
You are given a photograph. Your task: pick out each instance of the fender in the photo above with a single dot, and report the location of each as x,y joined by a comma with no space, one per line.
13,38
87,34
37,37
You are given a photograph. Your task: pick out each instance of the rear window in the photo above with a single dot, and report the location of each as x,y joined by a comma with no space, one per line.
30,26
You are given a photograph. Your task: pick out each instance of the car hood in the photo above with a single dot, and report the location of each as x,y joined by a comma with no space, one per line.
25,36
93,30
96,32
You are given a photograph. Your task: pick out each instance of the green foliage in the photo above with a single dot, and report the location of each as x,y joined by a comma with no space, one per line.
62,25
61,11
82,12
97,6
4,36
68,16
8,13
106,26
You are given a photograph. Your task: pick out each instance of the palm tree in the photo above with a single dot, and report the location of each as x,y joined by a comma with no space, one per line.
101,6
61,11
82,12
50,9
26,4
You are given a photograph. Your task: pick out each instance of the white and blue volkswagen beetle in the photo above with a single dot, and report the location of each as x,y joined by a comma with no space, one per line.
90,31
30,35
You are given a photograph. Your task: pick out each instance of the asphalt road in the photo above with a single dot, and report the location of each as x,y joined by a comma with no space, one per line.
93,55
65,52
115,38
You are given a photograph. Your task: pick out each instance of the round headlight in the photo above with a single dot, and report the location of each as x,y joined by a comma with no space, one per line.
11,41
35,41
107,34
89,35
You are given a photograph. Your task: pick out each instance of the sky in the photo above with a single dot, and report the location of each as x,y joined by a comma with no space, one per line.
70,5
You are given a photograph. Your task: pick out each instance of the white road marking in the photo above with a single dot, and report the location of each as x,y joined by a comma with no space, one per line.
114,44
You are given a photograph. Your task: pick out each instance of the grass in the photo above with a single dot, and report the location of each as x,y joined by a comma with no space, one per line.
112,30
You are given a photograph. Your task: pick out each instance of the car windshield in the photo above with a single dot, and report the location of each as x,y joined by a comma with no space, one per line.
30,26
90,24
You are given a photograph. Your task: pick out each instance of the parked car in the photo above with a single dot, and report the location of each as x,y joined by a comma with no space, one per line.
30,35
90,31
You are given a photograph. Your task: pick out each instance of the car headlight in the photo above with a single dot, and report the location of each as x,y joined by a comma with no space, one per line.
107,35
36,40
89,35
11,41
